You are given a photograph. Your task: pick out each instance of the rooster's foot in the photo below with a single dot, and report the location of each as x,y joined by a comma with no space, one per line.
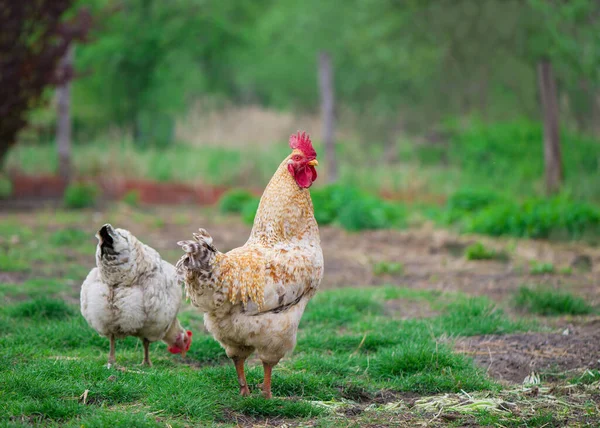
245,391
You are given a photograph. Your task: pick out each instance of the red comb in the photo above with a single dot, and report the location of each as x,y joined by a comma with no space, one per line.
176,350
301,141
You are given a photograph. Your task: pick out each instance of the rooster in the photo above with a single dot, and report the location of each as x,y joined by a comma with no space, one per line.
133,292
254,296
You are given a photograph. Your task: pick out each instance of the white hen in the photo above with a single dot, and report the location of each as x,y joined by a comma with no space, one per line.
133,292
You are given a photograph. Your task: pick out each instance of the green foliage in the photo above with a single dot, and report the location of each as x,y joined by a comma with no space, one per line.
556,218
42,308
69,237
328,201
355,210
588,377
132,198
12,261
249,210
5,187
541,268
467,201
234,201
478,251
544,301
388,268
369,212
81,195
509,156
141,57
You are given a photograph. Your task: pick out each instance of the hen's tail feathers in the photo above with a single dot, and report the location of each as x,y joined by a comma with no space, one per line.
198,256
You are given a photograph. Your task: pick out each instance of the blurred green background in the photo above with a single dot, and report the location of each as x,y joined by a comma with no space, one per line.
433,99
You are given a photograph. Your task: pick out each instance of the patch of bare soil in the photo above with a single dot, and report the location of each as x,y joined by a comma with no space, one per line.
513,357
12,277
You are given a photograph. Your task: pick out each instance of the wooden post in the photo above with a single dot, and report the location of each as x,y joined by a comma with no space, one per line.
63,126
328,114
552,155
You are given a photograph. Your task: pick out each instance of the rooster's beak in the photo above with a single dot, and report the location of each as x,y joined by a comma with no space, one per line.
314,162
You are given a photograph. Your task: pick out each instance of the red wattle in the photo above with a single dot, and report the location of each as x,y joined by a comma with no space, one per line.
304,175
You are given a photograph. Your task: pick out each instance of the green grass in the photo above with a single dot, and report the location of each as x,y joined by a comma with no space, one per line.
587,378
388,268
541,268
347,348
544,301
478,251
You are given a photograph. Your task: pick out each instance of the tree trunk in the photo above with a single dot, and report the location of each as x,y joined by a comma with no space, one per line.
552,156
328,114
63,126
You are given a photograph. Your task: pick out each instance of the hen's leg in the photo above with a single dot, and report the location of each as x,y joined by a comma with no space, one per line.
111,354
146,361
239,368
267,382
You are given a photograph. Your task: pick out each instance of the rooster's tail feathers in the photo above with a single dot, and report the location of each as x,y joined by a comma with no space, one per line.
198,253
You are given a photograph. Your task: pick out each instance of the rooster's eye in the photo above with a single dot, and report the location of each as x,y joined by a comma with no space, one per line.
297,158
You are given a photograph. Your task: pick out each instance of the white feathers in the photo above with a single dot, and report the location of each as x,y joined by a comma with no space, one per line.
132,292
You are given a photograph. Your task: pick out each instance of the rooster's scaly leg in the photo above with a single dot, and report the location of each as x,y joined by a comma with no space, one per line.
239,368
267,382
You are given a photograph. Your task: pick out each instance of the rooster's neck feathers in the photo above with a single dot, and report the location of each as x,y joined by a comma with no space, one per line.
285,212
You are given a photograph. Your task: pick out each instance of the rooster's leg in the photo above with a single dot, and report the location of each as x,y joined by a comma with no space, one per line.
239,367
146,361
111,354
267,382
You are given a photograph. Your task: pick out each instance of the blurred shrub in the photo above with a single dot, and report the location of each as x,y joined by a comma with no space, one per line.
234,201
467,201
132,198
355,210
557,218
81,195
509,156
368,212
329,200
249,210
5,187
69,236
